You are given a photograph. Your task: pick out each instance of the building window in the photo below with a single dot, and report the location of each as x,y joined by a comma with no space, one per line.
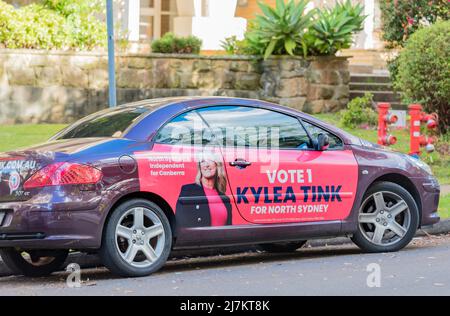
156,18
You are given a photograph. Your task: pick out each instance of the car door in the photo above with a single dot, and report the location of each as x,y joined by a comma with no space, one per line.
274,172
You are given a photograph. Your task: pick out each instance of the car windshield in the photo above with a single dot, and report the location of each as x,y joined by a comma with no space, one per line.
107,123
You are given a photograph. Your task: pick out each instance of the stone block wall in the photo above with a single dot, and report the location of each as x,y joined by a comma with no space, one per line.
312,85
60,87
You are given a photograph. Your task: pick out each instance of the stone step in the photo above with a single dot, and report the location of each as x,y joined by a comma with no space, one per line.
361,62
360,68
360,53
378,96
355,58
369,78
366,60
374,86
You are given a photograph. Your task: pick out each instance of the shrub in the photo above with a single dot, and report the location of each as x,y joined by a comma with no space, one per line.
333,28
68,8
392,65
401,18
229,44
359,112
233,46
280,30
171,44
40,26
33,26
424,68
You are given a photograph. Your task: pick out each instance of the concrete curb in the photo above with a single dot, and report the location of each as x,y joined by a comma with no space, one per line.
442,227
91,261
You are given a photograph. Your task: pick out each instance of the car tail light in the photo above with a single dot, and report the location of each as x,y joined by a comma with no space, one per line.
63,173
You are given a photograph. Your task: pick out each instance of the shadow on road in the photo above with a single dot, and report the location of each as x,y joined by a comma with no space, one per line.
197,263
92,275
254,257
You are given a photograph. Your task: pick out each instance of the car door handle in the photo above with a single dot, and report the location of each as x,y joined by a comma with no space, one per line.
240,163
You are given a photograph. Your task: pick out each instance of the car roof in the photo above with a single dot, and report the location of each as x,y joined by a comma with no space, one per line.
156,103
188,101
171,104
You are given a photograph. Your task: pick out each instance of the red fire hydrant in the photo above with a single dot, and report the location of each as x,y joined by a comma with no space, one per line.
384,119
417,117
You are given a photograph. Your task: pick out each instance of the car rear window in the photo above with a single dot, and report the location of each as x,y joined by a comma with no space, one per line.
108,123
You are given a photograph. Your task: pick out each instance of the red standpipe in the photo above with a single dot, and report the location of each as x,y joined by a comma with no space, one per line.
417,140
384,119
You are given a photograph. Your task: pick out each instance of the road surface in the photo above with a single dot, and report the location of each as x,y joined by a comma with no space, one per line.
420,269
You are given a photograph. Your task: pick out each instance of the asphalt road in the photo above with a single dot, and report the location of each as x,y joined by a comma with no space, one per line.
420,269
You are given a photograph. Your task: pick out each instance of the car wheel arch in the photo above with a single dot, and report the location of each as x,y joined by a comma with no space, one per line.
405,183
149,196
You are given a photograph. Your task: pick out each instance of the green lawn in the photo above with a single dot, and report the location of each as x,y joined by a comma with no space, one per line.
17,136
439,163
444,206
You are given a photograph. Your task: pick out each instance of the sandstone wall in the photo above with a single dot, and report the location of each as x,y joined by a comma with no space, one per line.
39,86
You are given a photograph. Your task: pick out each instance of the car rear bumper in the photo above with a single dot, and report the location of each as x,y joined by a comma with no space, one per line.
52,230
71,223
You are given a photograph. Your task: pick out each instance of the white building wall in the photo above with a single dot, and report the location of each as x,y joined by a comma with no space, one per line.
210,20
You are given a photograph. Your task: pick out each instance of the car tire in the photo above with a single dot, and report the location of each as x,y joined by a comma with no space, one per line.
388,210
283,247
128,248
33,265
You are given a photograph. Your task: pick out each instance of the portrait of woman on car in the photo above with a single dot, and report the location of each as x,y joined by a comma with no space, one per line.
204,202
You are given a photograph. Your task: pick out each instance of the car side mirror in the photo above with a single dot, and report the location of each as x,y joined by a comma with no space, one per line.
323,141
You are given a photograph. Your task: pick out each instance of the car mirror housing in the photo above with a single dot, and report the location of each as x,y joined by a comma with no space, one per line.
323,141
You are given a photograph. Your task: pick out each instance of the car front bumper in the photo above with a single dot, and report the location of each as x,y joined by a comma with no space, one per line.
430,191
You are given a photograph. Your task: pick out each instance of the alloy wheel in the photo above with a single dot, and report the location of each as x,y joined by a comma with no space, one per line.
384,218
140,237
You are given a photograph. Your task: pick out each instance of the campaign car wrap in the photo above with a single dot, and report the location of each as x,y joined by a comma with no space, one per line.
297,186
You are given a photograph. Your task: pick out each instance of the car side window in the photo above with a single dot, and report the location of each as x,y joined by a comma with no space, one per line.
185,129
314,131
255,127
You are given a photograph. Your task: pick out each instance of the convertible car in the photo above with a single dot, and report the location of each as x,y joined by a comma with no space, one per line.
134,182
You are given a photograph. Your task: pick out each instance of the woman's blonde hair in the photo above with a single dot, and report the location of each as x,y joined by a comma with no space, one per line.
220,179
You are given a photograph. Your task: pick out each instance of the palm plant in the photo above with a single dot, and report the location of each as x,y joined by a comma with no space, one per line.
333,28
353,11
280,30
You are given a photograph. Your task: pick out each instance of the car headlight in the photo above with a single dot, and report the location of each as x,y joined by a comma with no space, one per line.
419,163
